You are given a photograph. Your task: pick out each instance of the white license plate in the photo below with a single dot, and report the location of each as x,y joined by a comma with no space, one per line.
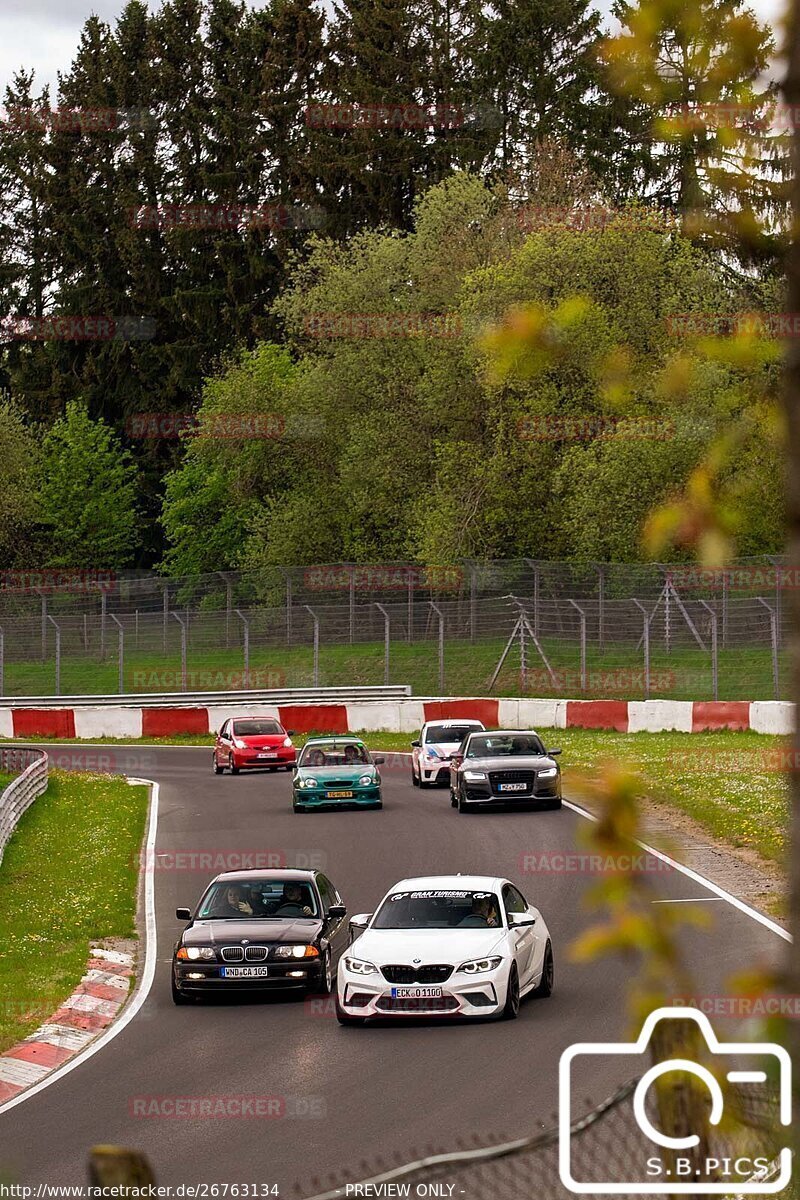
244,972
513,787
270,754
415,993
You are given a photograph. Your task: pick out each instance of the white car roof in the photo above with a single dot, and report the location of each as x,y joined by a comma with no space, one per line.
456,721
478,883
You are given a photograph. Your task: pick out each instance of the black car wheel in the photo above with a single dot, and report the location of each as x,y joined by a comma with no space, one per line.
325,985
233,770
178,996
461,804
511,1008
414,777
545,986
217,768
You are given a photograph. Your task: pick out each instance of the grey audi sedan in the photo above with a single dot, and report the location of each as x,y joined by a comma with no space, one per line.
504,768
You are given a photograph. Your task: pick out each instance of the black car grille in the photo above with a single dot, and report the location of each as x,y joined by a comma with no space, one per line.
413,1004
256,953
232,953
436,973
526,777
337,784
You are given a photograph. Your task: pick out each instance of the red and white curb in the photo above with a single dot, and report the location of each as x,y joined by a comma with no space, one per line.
402,716
90,1009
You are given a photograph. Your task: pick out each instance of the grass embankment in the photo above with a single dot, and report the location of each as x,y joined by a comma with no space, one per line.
684,674
69,876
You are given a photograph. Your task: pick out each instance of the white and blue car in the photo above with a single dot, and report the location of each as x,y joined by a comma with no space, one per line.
445,946
432,750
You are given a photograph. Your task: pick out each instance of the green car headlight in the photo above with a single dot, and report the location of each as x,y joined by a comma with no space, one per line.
366,780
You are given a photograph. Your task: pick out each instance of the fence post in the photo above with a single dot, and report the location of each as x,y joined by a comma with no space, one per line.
725,586
352,601
180,621
582,615
58,655
2,661
386,641
165,620
103,607
646,645
473,599
439,614
44,625
121,652
601,608
714,648
410,629
773,633
246,636
315,619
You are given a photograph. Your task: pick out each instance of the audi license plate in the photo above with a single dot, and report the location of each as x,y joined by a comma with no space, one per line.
338,795
415,993
513,787
244,972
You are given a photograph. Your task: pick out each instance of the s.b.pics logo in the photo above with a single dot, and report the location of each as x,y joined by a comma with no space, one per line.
708,1117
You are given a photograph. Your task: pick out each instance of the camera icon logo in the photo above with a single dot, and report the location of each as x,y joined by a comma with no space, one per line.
673,1174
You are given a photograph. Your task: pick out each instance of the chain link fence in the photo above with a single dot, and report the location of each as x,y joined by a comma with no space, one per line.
604,1146
627,631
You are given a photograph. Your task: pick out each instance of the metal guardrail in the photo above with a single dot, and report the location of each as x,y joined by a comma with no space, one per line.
23,790
322,695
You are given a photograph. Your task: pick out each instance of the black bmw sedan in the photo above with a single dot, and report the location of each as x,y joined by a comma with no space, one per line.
504,767
260,930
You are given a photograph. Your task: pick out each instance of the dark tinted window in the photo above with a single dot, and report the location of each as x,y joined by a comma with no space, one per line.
514,900
447,733
504,745
255,728
277,898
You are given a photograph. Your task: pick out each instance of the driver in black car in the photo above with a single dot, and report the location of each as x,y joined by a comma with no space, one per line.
292,903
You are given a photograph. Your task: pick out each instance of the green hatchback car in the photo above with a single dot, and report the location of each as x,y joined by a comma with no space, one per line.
336,772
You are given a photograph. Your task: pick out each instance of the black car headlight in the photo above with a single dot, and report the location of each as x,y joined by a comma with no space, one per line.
197,953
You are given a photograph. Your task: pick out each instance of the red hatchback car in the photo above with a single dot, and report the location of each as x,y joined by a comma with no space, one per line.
253,742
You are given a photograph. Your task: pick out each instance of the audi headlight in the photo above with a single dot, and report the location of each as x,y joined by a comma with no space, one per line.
472,776
366,780
357,966
193,953
478,965
548,773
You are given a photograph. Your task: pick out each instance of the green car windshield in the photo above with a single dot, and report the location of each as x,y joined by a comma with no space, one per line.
334,754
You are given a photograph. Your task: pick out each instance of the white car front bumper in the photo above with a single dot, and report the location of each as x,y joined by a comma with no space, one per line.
482,994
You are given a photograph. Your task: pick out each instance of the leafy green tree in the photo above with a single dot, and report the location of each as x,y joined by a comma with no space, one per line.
19,455
87,493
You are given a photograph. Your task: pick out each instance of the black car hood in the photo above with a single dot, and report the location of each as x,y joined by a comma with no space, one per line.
508,762
260,931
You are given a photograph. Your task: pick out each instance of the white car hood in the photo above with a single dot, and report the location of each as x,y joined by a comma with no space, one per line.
443,749
382,946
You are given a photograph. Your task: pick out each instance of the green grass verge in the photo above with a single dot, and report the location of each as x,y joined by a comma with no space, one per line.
69,876
617,671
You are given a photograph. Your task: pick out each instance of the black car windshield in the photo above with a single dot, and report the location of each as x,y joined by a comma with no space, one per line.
502,745
439,909
447,733
255,728
278,899
333,754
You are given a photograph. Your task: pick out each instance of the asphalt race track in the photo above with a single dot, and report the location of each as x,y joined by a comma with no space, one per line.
351,1095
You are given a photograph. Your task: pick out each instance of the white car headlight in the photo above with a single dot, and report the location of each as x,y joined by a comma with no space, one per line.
357,966
478,965
308,783
287,742
548,773
239,744
473,775
365,780
205,952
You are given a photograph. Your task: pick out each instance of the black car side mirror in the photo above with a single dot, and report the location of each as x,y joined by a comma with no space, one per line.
183,914
291,733
379,760
415,742
336,911
552,753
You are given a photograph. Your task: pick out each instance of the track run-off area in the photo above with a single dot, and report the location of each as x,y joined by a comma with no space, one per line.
345,1096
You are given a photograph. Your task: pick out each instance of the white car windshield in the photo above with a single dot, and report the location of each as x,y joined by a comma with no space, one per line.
447,733
439,909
